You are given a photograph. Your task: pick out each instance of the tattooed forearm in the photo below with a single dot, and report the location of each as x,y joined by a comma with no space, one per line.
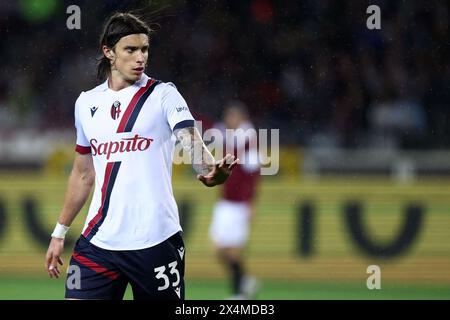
191,141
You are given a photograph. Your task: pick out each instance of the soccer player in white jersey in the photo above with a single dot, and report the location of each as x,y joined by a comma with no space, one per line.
126,131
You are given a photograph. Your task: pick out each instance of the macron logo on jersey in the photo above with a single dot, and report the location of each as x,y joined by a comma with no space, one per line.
93,109
125,145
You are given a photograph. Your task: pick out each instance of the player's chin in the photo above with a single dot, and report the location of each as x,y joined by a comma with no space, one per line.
135,76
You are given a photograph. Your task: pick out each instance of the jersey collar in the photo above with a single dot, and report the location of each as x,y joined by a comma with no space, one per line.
140,83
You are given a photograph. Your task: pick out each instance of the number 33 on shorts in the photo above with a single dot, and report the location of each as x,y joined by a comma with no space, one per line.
162,274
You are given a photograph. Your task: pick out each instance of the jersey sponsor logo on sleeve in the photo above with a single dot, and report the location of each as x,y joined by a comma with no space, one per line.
182,109
134,144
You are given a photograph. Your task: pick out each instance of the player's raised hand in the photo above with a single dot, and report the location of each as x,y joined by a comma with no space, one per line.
220,172
53,257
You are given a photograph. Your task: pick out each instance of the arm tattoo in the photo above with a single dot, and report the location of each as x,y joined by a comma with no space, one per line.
191,141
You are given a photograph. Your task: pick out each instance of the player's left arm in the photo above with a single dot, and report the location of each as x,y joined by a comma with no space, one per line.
209,171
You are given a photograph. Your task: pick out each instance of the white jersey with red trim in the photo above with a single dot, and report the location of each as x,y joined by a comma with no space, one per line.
129,134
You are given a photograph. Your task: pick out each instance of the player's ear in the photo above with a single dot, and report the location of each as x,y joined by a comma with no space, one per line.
108,52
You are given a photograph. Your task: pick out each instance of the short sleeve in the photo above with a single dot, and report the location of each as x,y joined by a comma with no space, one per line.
82,145
175,108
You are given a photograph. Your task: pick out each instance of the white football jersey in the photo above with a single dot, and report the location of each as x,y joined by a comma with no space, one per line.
129,134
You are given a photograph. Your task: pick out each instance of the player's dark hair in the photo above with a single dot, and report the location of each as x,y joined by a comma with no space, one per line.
116,27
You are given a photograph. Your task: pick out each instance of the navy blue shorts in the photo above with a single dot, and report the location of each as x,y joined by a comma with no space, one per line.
153,273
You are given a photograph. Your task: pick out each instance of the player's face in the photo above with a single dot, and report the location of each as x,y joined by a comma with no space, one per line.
131,54
233,118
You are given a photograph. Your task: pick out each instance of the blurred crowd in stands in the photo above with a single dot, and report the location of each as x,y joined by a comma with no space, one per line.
309,68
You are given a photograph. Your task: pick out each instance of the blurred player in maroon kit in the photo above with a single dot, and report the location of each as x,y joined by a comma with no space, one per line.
232,214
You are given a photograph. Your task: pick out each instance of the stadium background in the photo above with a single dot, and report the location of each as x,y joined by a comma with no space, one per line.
363,124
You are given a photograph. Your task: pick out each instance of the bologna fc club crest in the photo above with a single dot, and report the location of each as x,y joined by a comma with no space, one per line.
115,110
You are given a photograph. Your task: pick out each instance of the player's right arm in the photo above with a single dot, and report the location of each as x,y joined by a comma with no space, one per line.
79,186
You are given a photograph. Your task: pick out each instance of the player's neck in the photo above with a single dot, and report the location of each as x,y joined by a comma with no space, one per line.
116,82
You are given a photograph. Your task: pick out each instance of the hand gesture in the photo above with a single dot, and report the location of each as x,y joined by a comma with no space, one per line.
220,172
